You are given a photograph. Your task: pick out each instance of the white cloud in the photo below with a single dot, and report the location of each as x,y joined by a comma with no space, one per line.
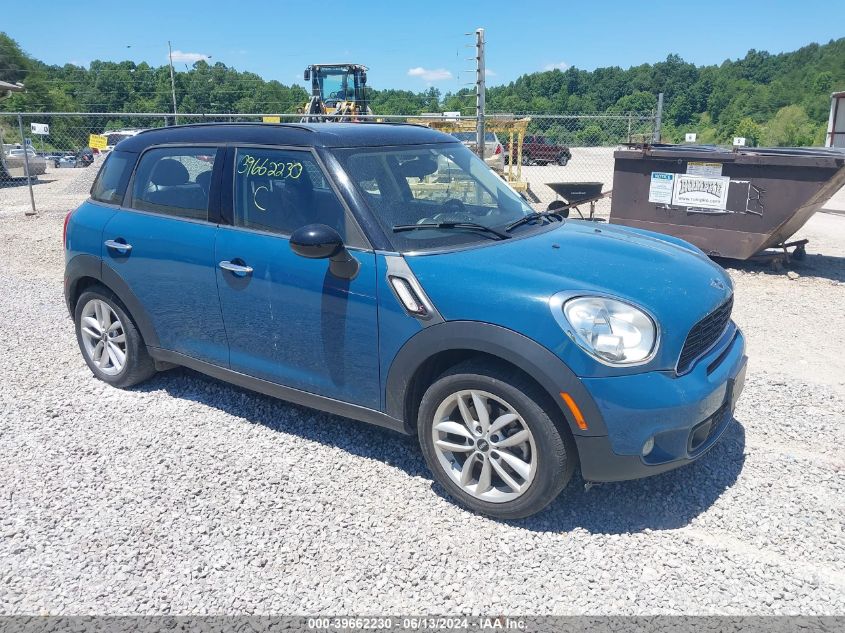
430,74
557,66
489,73
189,58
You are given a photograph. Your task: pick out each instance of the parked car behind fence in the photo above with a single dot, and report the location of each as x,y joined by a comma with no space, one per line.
494,153
15,163
541,150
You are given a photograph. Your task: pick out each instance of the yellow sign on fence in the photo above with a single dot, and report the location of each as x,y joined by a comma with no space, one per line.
98,141
271,119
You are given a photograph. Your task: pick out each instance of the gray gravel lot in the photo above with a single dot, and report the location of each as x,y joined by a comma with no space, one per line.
186,495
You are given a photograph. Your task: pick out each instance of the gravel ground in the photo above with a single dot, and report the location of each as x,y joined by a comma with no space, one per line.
186,495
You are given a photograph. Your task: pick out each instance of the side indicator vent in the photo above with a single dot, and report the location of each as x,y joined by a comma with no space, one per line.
409,299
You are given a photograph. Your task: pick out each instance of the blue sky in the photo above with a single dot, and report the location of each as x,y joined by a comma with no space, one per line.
413,45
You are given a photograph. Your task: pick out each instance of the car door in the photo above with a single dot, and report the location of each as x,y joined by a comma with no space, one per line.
288,319
161,243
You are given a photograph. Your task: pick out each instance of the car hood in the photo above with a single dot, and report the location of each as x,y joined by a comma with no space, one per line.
510,283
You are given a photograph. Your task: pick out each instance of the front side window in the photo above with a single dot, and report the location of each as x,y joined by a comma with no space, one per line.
175,181
434,184
111,182
281,190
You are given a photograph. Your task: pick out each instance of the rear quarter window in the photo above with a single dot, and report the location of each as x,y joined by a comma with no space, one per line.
174,181
110,185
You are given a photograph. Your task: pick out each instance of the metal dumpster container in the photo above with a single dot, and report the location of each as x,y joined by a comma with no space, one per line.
728,202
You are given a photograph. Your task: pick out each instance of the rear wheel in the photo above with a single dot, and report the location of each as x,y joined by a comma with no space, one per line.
110,342
562,160
489,439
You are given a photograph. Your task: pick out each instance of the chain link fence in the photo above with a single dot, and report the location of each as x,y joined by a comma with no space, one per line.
568,157
50,160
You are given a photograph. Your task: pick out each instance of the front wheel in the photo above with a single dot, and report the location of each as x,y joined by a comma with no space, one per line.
110,342
562,160
490,440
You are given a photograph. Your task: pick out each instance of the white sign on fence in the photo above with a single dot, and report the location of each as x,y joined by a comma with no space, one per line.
40,128
701,191
690,137
739,141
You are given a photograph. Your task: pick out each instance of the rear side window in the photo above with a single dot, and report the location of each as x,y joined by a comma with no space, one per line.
175,181
111,182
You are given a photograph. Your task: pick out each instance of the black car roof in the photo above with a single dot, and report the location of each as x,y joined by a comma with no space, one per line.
304,134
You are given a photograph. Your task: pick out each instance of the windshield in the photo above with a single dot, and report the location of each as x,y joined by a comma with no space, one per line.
433,184
333,85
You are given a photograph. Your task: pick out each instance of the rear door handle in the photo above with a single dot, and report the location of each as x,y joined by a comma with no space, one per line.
118,246
236,268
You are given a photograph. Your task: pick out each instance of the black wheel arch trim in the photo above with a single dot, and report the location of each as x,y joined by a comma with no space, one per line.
82,266
535,360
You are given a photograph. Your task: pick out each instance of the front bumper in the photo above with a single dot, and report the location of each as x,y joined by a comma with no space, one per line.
684,415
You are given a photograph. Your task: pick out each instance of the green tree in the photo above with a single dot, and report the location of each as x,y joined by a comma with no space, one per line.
749,130
14,64
638,101
790,127
785,94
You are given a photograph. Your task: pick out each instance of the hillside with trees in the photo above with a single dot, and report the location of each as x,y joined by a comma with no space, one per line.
770,99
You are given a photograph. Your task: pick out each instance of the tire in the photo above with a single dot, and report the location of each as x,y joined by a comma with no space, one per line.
526,160
137,365
546,457
563,160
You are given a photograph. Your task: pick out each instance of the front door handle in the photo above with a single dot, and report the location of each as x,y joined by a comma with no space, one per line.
118,246
236,268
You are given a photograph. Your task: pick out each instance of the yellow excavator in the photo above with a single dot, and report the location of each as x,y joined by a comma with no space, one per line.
338,93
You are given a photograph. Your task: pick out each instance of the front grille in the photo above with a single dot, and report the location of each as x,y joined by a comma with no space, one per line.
704,333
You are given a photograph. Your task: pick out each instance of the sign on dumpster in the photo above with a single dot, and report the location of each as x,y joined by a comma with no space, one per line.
661,187
704,169
701,192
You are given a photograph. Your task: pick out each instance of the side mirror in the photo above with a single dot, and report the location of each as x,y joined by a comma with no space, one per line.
307,74
318,241
363,78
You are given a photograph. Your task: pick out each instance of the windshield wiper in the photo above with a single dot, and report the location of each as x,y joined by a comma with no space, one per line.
537,215
451,225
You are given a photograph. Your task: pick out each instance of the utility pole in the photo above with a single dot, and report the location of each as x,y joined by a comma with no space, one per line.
479,92
172,83
658,119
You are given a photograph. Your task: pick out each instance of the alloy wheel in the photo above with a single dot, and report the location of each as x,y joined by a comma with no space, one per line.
103,337
484,446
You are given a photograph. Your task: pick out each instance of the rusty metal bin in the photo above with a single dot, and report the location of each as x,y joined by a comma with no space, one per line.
729,202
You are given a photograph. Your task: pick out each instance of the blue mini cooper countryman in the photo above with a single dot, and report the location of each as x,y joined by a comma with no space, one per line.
384,273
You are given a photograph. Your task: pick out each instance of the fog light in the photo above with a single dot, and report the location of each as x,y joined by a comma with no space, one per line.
648,446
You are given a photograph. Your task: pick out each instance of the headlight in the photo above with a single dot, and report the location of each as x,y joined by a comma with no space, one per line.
610,330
